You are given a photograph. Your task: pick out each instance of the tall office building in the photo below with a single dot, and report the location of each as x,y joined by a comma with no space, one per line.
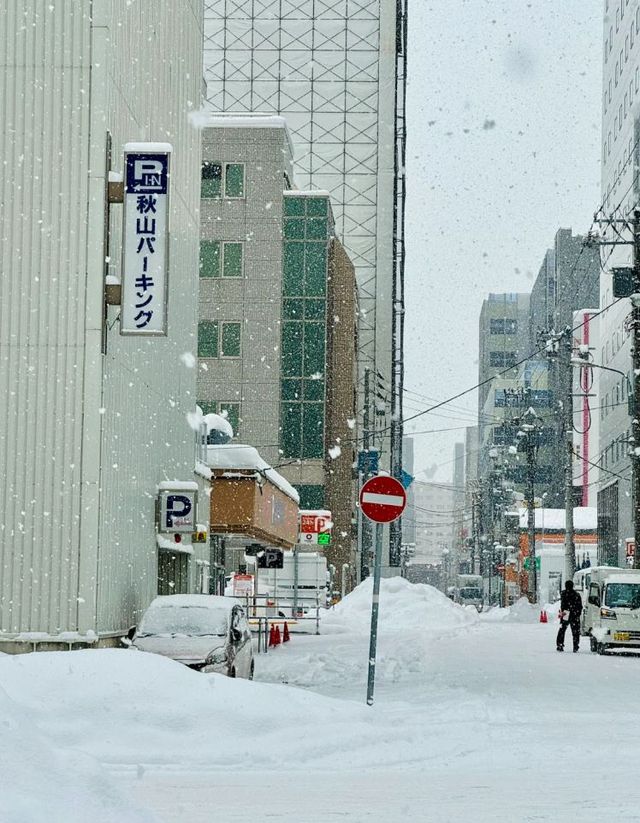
620,158
335,70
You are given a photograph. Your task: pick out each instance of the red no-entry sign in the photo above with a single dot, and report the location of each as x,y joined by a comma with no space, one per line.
382,499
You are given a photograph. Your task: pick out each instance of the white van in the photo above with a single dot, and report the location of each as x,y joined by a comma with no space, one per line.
581,583
612,614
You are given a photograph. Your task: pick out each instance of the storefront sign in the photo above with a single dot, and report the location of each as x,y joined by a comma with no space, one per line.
145,238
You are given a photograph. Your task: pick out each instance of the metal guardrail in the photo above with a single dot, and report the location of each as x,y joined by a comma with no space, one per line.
272,610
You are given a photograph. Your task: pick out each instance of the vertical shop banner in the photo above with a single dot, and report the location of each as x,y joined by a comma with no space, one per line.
145,239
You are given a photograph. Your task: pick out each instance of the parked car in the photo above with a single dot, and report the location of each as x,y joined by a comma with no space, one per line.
612,615
205,632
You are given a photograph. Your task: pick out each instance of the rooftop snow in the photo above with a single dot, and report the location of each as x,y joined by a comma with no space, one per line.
236,456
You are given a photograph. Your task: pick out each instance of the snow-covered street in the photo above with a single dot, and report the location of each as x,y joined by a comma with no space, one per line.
476,718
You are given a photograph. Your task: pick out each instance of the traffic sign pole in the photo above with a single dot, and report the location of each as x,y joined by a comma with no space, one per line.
382,499
373,637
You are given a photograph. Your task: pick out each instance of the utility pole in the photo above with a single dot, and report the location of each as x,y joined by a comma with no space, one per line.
567,427
530,436
635,354
365,470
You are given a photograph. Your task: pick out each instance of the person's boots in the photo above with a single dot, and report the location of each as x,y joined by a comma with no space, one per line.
560,648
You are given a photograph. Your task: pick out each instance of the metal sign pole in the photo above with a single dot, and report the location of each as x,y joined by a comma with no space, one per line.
374,615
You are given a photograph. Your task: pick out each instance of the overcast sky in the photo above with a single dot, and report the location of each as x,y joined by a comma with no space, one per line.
504,110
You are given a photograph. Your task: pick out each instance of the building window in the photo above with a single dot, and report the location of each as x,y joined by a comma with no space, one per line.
211,179
234,180
230,340
505,325
502,359
215,177
208,338
221,258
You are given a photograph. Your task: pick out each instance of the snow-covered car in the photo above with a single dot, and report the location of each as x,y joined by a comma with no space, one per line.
205,632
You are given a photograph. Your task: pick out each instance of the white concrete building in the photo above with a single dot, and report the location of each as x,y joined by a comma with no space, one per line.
435,516
620,158
90,421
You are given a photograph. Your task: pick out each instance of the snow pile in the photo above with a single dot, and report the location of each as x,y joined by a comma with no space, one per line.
46,782
521,612
404,606
131,708
411,617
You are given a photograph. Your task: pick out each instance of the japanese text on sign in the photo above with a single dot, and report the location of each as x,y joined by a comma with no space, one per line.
145,258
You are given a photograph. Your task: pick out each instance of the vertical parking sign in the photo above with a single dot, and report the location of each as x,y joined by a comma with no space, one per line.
145,238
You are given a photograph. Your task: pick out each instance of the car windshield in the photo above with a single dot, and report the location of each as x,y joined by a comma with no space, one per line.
470,594
622,595
195,621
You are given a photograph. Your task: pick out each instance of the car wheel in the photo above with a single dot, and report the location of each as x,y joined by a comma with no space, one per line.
251,670
601,648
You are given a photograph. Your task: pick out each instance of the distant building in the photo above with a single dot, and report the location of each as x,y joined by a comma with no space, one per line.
434,518
277,329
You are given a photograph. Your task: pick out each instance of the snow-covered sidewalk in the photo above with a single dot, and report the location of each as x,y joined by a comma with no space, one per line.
476,718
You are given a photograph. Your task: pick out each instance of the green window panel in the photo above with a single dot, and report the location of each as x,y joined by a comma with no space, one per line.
207,338
314,309
313,430
291,389
317,206
208,406
291,349
313,390
211,179
233,259
209,258
234,180
294,206
291,439
317,228
313,349
232,412
292,309
293,270
230,340
315,270
293,228
311,497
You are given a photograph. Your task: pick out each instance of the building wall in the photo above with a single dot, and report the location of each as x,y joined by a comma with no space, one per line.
250,383
434,517
340,497
620,157
87,435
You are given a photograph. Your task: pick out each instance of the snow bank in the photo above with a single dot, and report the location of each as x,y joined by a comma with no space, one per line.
131,708
411,617
521,612
404,606
45,782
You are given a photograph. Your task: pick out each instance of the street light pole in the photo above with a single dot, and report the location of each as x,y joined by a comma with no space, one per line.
635,354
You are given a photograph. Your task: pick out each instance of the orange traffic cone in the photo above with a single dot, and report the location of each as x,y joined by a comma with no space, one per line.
276,637
272,636
285,632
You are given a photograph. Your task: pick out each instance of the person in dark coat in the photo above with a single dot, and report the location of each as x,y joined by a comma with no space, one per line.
571,611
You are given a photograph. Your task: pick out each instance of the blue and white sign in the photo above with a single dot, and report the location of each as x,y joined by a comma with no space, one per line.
177,511
145,236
